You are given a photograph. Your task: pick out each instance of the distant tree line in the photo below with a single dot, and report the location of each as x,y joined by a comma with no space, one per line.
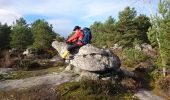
5,32
131,29
127,31
21,35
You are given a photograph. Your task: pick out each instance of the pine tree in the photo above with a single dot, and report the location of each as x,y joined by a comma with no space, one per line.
21,36
5,31
43,34
159,32
126,26
109,25
128,31
143,24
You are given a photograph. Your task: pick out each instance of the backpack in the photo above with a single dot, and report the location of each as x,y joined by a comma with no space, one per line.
87,35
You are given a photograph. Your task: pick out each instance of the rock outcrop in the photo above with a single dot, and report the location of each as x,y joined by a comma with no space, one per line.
90,59
146,48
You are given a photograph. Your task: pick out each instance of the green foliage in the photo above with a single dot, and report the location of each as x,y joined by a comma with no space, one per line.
126,26
132,28
159,33
155,73
106,87
5,31
129,30
152,36
43,34
127,15
26,64
59,38
165,39
132,57
21,36
32,66
109,25
102,39
143,24
94,90
39,35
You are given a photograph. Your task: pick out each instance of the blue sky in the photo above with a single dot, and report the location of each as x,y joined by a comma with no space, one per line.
65,14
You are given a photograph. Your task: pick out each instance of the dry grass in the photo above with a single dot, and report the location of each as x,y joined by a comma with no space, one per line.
42,92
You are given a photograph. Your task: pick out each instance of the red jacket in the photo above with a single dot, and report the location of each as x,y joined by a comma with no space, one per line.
77,37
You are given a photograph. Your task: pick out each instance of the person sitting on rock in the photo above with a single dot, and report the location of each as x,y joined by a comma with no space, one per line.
75,41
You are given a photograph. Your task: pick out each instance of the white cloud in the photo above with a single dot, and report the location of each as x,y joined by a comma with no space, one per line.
63,7
64,14
103,8
8,16
62,26
52,7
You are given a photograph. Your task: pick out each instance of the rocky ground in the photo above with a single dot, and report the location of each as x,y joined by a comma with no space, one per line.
147,95
49,79
90,62
57,79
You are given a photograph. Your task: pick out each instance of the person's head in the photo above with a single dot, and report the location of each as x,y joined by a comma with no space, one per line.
76,28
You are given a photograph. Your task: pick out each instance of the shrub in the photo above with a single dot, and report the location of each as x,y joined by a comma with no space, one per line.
94,90
132,57
51,52
165,84
106,87
33,65
28,65
155,73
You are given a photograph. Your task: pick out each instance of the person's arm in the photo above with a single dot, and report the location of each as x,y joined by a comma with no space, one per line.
73,38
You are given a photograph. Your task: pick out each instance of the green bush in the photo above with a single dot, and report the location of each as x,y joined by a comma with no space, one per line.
132,57
94,90
155,73
28,65
106,87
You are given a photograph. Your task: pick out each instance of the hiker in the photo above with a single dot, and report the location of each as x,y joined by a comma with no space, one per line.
77,40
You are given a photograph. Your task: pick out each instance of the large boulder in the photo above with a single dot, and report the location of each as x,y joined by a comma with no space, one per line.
90,58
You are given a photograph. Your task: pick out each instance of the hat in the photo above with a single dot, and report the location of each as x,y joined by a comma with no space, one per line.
76,27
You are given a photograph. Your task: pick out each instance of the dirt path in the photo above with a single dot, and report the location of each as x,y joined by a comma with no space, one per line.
59,78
